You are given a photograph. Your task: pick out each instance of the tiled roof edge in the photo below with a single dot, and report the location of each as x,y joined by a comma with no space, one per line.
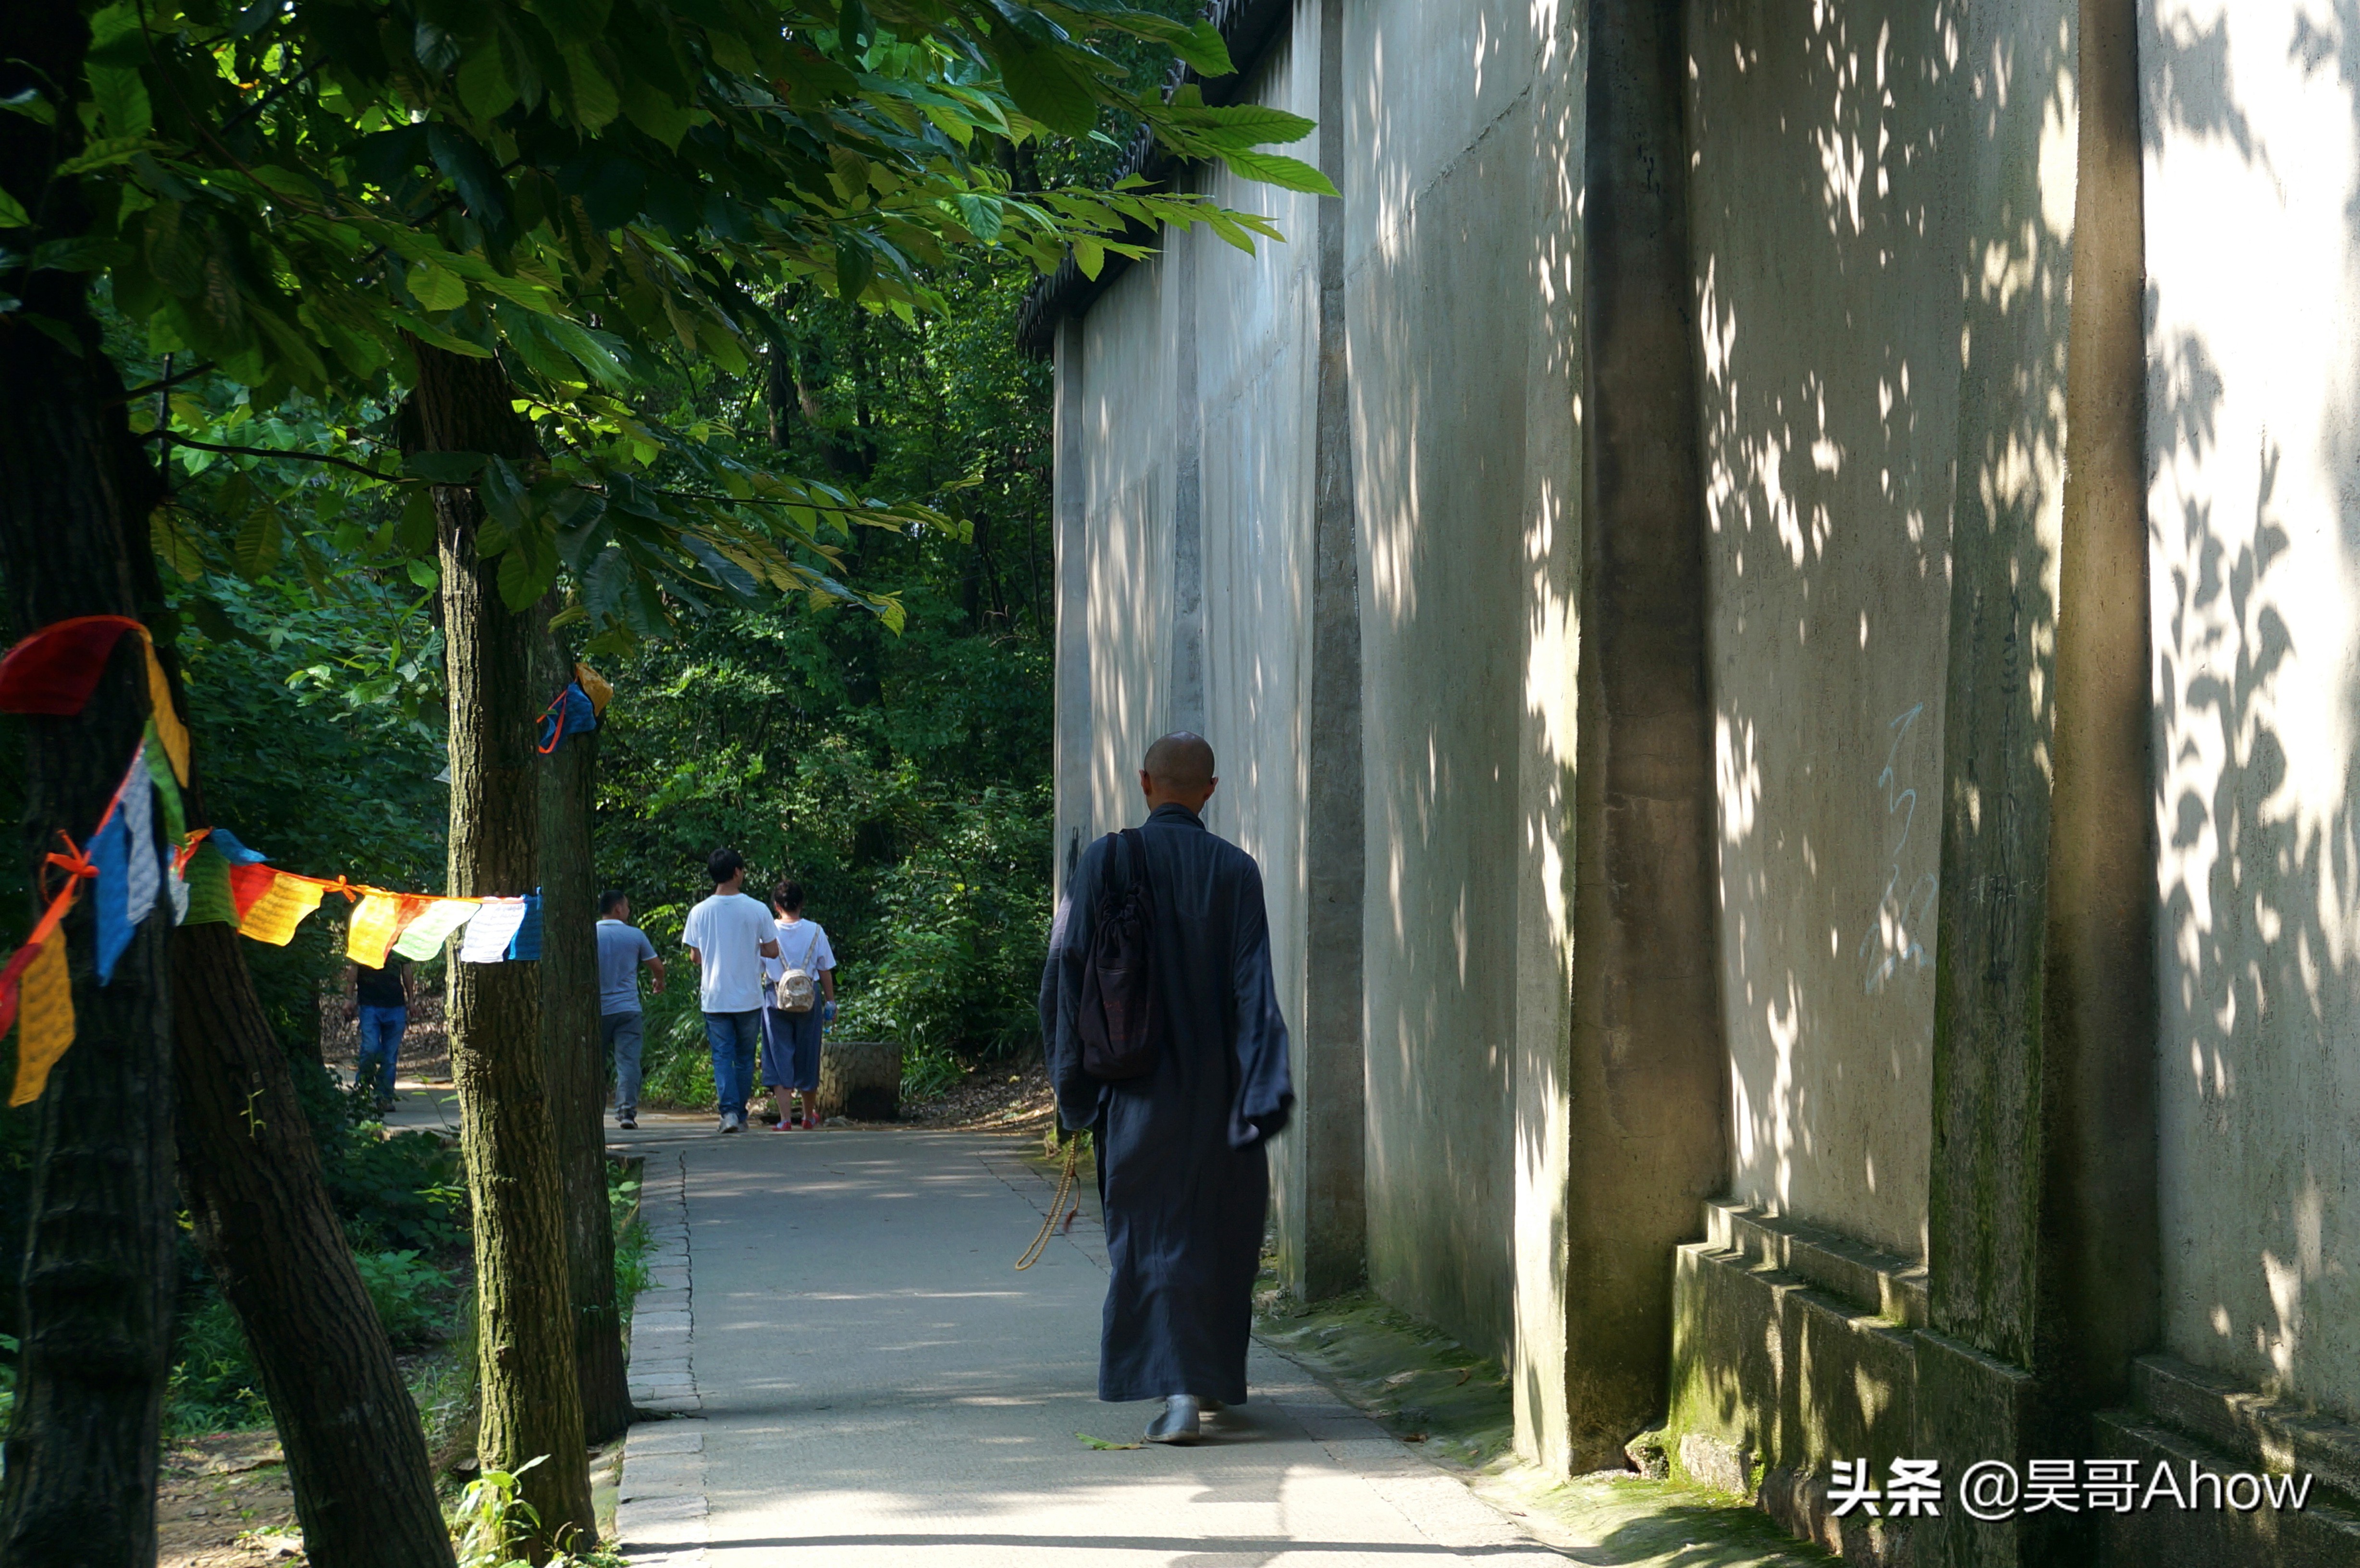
1249,27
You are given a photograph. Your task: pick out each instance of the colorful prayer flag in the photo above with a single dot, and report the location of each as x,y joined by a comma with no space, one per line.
426,934
211,902
56,669
167,788
110,852
44,1019
233,851
489,934
133,804
161,714
526,944
10,978
377,920
272,903
594,685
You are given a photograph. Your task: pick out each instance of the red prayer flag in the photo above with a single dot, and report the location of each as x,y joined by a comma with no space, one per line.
55,670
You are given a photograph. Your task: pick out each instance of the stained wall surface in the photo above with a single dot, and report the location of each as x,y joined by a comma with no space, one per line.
2254,420
1127,388
1826,211
1461,140
1256,376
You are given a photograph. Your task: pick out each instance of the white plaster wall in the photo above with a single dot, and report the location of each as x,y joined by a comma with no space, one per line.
1456,257
1257,334
1827,239
1127,398
2254,418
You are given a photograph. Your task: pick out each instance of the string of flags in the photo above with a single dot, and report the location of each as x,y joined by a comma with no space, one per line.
209,876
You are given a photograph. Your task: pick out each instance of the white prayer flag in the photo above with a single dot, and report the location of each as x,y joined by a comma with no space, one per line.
489,934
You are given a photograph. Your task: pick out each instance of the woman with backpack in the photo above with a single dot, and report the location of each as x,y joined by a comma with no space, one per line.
801,1002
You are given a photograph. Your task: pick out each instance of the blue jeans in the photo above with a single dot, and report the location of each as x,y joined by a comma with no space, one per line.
381,1030
624,1033
734,1038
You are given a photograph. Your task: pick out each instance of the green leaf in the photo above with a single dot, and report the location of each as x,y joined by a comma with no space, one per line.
13,214
32,106
1277,168
106,154
1046,86
423,573
596,102
122,100
443,467
1089,255
414,535
79,254
659,115
1241,124
261,538
1103,1445
1198,43
435,289
484,85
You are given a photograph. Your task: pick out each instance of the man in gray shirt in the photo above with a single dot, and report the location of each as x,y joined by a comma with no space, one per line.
623,948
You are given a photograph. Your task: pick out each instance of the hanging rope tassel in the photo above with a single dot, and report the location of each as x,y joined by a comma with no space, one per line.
1065,1181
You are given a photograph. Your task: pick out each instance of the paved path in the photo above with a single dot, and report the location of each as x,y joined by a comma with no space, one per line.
856,1375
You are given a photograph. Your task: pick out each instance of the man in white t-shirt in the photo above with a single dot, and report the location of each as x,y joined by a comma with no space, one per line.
729,935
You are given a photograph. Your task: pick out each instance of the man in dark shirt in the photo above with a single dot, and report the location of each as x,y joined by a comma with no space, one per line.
381,1007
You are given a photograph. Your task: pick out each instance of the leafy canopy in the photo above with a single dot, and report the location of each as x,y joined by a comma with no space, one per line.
303,194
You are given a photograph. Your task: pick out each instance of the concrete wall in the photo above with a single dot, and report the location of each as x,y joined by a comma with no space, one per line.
1127,489
1256,344
1825,211
2253,137
1457,298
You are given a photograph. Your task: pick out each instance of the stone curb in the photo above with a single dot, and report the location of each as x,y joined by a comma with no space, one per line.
662,1516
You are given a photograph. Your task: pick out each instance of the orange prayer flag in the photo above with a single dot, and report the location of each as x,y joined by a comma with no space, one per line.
46,1020
379,919
273,913
594,687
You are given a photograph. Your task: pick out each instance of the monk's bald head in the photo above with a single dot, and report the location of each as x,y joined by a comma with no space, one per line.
1178,770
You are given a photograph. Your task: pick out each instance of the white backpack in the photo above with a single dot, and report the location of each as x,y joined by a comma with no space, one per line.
797,988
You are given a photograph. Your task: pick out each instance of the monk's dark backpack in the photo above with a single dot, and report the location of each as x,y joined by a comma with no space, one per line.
1121,1026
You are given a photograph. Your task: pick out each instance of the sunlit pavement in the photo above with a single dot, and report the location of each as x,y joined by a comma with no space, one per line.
857,1375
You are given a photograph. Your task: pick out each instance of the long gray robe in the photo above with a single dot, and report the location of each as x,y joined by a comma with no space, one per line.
1181,1173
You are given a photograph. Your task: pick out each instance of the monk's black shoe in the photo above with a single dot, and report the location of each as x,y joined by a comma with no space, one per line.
1177,1425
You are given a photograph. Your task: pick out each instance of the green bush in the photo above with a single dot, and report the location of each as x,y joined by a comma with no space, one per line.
412,1299
214,1386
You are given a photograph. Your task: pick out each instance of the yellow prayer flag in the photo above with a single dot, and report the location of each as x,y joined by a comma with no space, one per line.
169,728
374,926
45,1020
273,917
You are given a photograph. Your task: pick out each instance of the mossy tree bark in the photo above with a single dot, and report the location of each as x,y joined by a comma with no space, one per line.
575,1064
98,1270
532,1400
251,1177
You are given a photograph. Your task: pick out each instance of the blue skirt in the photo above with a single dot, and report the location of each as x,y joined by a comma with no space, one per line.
790,1049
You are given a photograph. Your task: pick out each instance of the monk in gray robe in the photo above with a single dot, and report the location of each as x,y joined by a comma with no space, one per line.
1182,1178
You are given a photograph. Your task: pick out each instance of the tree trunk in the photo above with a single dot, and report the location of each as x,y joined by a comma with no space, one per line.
576,1063
861,1079
98,1272
532,1404
251,1176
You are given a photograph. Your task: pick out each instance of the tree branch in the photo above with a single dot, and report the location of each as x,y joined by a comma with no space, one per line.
274,452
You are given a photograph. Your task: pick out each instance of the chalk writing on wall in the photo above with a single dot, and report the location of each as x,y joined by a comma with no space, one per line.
1892,944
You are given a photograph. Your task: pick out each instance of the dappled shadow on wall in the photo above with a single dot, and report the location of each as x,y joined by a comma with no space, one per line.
1837,199
2255,519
